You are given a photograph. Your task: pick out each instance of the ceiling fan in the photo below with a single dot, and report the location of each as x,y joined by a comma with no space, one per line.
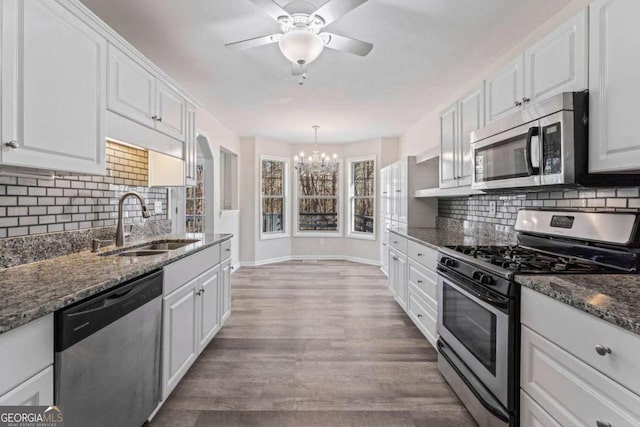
302,39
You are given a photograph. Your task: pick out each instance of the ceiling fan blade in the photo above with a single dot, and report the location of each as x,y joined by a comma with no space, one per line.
334,9
270,8
255,42
347,44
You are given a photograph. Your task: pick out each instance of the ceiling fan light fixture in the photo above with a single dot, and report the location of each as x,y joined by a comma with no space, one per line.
301,46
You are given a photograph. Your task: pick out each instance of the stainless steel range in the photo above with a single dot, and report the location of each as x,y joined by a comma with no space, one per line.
478,317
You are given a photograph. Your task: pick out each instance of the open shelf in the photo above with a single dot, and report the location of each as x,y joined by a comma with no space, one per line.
445,192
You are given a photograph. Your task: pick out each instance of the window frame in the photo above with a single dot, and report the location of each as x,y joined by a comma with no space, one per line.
286,232
339,196
351,233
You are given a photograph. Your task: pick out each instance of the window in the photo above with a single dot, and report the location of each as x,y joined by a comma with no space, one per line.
194,218
273,201
362,196
318,204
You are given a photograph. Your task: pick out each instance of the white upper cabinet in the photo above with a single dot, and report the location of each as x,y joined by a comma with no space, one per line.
448,130
470,117
53,89
191,148
131,88
171,108
558,63
614,86
505,90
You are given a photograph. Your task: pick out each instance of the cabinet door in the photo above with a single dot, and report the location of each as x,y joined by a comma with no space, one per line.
532,415
448,137
225,299
395,191
403,201
171,110
180,334
614,67
36,391
392,277
54,85
209,306
505,90
558,62
191,148
130,89
401,280
470,118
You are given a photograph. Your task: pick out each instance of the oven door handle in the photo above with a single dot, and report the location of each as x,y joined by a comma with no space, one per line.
528,154
444,350
465,284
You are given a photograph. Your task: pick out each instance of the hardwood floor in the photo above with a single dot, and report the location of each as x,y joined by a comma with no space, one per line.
314,344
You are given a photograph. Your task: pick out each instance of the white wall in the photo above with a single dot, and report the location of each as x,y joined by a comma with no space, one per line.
256,251
426,133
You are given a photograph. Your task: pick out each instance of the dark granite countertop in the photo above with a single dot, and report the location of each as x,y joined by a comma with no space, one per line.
436,237
33,290
611,297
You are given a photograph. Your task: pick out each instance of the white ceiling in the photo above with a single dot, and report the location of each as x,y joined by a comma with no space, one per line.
423,51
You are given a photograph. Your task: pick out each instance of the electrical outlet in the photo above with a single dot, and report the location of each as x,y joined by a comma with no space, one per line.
492,208
157,206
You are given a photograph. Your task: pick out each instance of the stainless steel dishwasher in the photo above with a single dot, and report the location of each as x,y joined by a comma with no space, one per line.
107,361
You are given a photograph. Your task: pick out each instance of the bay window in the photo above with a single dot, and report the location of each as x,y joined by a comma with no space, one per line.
318,202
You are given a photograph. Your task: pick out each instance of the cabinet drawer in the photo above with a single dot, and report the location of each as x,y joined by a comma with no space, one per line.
36,391
225,249
425,280
581,333
180,272
398,242
423,254
532,415
25,351
572,392
423,315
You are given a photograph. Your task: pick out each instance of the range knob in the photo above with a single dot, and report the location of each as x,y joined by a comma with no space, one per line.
448,262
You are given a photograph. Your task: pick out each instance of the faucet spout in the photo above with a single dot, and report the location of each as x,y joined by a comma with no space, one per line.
120,226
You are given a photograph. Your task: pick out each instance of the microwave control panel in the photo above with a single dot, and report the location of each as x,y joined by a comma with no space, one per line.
552,149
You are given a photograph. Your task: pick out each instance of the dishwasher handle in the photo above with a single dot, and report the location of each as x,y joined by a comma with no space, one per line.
77,322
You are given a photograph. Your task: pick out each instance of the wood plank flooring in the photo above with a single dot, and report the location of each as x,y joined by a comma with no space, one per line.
314,344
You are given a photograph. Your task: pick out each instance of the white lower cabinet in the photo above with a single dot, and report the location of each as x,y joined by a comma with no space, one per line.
398,276
532,415
209,306
36,391
225,288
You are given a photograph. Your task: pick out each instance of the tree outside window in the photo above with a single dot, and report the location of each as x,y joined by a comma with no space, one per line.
318,200
194,218
362,191
273,183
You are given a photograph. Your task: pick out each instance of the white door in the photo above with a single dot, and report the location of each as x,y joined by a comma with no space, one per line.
505,90
53,89
225,271
448,137
171,111
131,89
470,118
180,334
614,85
209,306
36,391
558,63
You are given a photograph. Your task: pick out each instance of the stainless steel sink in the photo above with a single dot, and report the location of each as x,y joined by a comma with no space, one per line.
167,246
141,252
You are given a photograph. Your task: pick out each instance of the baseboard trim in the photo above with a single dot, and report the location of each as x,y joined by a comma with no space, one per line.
310,258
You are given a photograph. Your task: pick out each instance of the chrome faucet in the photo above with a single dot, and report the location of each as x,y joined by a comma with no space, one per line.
120,226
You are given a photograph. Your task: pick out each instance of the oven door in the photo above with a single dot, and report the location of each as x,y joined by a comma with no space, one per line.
508,159
475,324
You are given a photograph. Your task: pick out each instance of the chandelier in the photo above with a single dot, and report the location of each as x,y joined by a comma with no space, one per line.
317,162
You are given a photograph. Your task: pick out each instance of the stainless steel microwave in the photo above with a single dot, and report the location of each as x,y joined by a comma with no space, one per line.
544,144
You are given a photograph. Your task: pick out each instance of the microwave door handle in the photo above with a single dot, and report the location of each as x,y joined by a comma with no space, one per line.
528,153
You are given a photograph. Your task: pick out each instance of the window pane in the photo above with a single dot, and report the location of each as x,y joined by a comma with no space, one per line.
318,214
318,183
272,215
272,178
363,174
363,215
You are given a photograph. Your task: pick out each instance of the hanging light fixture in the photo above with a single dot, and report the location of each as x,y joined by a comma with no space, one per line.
317,162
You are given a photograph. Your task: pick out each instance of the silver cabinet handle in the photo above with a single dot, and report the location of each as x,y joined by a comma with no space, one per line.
12,144
602,350
602,424
199,293
228,250
525,99
384,244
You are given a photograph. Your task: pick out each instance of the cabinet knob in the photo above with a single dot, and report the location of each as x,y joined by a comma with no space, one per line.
228,250
419,316
602,424
12,144
199,292
602,350
159,119
154,117
419,282
525,99
395,242
395,258
420,255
